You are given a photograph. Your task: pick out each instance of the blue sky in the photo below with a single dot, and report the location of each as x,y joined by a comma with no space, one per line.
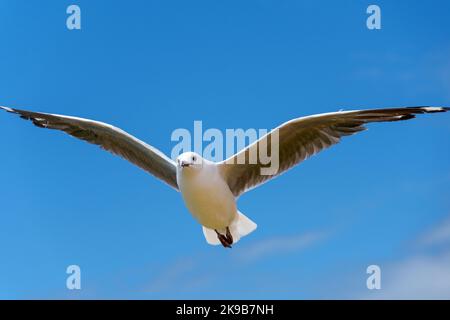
150,67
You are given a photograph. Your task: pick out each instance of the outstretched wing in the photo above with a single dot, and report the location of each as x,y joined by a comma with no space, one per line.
300,138
109,138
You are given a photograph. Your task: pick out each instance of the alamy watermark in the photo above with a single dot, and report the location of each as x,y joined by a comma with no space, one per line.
374,280
263,146
73,281
73,21
373,22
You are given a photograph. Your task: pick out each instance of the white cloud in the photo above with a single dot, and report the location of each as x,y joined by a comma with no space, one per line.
437,236
171,275
281,244
203,271
424,275
420,277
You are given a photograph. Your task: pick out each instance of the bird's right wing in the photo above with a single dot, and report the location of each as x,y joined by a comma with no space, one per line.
300,138
109,138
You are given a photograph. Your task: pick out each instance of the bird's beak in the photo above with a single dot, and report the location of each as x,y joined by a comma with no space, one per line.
184,164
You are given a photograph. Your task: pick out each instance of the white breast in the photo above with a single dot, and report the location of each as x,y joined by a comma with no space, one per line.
207,196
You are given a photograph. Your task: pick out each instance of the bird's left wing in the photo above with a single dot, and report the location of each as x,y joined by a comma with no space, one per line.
109,138
300,138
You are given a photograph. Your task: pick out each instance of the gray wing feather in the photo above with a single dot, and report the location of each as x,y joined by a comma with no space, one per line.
109,138
303,137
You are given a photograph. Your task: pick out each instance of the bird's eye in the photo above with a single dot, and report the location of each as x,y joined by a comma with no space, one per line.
193,158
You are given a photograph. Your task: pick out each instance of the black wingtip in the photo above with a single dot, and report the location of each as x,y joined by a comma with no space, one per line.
407,117
25,116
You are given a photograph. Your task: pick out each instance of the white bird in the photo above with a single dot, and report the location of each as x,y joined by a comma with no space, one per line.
210,189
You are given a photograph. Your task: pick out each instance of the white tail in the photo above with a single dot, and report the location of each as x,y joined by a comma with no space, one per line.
240,227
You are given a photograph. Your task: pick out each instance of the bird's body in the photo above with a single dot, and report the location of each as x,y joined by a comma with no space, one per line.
210,189
208,197
218,209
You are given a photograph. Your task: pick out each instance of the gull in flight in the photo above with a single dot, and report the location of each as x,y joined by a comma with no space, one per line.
210,189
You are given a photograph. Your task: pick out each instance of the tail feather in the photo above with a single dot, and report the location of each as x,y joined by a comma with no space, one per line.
242,226
239,228
211,236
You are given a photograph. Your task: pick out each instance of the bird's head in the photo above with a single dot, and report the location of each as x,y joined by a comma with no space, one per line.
190,160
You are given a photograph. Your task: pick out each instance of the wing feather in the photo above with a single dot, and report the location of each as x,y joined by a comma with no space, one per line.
109,138
303,137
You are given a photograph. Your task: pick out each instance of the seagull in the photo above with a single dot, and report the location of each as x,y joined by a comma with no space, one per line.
210,189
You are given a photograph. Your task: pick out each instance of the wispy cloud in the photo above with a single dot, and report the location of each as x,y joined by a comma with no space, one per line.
172,274
419,277
277,245
203,272
423,275
439,235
